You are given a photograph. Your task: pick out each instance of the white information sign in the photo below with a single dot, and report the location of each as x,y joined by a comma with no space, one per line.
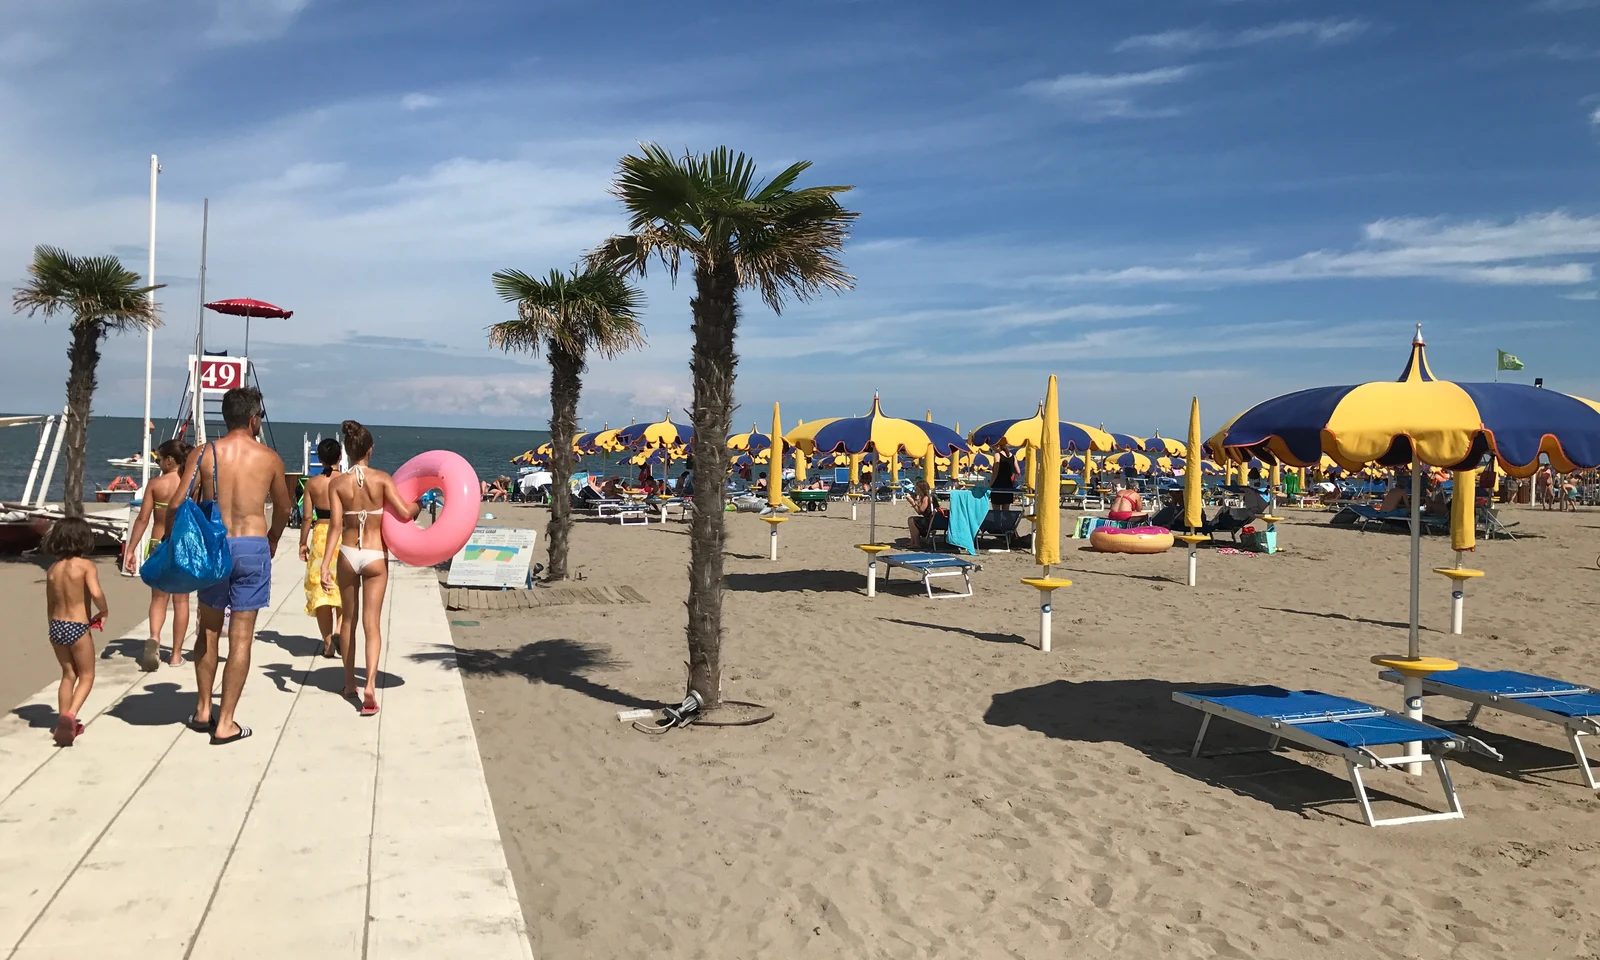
494,557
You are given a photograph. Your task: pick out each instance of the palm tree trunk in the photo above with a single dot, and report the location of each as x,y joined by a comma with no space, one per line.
566,383
716,319
83,356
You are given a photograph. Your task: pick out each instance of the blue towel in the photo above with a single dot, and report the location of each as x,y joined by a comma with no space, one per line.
967,510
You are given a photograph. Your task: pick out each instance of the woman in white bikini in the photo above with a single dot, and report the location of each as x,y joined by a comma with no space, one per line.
361,495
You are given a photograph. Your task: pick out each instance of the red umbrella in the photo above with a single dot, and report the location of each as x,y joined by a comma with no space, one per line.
247,308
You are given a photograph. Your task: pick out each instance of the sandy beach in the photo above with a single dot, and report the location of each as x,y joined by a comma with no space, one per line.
26,663
932,786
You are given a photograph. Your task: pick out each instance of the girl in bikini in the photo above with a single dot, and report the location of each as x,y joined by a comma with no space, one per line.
71,586
156,514
357,500
321,602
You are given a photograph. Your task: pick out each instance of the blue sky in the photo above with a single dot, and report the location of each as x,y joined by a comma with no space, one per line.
1152,200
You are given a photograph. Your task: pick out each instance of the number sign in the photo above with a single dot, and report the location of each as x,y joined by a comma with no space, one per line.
221,374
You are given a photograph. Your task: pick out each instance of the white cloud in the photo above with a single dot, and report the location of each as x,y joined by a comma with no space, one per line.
419,101
1192,40
1594,116
1582,295
1094,96
1533,250
1563,6
249,21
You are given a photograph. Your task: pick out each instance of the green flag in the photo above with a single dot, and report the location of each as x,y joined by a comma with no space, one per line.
1507,361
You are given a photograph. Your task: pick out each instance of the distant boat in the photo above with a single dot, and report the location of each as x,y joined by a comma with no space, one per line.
137,460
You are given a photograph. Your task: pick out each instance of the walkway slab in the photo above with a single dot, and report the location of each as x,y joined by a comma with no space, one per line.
324,834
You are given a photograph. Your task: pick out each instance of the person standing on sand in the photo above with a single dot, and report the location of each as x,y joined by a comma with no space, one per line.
322,603
361,495
240,473
156,514
72,584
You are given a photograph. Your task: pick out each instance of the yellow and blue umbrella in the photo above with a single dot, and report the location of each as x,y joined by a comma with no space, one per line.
752,442
664,433
1418,420
607,440
1159,446
1128,458
587,444
1127,441
1027,433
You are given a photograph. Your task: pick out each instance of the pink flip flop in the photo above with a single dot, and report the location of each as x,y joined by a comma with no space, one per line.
66,731
369,706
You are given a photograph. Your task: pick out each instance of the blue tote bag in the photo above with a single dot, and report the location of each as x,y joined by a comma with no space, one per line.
195,553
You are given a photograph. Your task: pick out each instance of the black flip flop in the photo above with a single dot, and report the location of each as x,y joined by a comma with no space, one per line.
199,727
217,741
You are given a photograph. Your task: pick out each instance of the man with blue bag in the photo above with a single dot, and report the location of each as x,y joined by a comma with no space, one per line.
237,475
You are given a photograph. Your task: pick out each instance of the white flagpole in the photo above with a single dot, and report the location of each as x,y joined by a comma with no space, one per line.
149,333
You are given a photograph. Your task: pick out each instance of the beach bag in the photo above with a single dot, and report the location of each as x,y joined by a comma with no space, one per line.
195,553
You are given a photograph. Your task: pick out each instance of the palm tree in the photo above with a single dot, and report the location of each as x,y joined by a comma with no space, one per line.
568,316
103,297
738,233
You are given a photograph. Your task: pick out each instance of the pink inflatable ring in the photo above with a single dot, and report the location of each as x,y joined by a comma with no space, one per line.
1114,540
444,538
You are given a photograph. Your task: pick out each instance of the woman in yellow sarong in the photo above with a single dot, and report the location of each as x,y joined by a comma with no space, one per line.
322,601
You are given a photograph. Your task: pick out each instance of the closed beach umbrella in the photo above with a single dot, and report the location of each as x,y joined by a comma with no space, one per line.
1047,505
664,433
1193,517
1026,433
799,463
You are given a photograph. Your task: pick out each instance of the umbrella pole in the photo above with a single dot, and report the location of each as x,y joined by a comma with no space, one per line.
1412,681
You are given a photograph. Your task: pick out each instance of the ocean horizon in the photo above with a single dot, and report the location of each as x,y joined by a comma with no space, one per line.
489,450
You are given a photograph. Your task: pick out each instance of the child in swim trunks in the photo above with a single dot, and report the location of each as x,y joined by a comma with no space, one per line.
72,584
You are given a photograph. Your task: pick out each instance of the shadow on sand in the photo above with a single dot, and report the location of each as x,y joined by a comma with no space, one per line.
974,634
1397,624
1141,714
560,663
804,581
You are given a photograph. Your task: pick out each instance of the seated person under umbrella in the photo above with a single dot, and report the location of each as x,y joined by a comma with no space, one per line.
1128,506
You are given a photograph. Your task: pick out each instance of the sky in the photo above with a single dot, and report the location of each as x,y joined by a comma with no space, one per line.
1228,199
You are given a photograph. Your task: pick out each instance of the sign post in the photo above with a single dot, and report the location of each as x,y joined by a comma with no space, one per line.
214,376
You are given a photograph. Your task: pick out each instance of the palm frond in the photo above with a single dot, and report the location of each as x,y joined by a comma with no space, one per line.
95,290
783,241
592,309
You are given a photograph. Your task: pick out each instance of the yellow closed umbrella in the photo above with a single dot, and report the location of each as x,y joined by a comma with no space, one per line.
775,483
1193,470
1463,537
799,461
1047,512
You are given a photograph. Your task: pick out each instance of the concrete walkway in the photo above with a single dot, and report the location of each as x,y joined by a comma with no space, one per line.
323,835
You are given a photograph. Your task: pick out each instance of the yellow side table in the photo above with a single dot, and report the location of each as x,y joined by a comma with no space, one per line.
1047,586
772,524
1458,591
1412,670
1193,540
854,498
872,550
1271,531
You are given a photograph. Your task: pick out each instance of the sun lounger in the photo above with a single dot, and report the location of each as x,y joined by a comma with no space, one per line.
1339,726
930,566
1571,706
999,525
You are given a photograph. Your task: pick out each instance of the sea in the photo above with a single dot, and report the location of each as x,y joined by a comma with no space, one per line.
489,451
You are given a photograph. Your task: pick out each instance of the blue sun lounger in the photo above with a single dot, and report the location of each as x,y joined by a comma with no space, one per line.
1571,706
930,566
1339,726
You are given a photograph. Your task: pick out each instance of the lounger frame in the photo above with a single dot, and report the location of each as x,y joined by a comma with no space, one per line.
949,567
1575,727
1355,758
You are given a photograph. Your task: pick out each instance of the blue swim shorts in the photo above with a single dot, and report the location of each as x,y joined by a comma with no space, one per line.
248,586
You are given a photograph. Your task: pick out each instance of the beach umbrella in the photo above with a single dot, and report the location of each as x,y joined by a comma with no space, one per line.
1419,420
1127,441
247,308
774,483
883,435
1047,514
586,444
663,433
1194,517
1163,446
752,441
1025,433
1128,458
608,441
